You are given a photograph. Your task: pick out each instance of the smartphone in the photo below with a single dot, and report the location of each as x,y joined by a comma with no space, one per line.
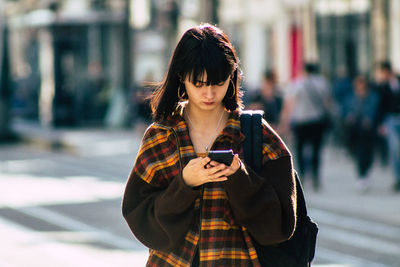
221,156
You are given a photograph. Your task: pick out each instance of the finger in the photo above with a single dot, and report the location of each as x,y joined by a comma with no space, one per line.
205,161
219,173
216,163
226,172
235,159
208,166
218,179
216,169
236,162
213,163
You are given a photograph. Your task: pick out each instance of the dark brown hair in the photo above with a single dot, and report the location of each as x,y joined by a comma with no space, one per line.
201,50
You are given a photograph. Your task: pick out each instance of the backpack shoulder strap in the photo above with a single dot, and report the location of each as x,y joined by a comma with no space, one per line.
245,127
300,199
251,127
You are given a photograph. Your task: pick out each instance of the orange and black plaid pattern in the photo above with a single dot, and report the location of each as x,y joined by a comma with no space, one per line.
219,239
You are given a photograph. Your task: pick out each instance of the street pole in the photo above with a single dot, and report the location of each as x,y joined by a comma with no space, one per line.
118,112
5,88
127,56
379,30
214,11
310,34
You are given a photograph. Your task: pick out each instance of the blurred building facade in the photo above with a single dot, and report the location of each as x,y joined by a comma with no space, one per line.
281,35
78,62
74,61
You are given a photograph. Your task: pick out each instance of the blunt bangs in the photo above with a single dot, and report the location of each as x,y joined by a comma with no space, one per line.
209,62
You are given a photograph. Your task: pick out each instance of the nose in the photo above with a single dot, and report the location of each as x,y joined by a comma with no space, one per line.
209,92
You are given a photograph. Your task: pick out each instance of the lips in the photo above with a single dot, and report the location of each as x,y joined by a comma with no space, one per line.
209,103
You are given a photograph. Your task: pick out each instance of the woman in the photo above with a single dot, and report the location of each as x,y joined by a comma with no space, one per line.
189,210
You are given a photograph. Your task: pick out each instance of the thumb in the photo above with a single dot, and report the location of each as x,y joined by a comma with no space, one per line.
205,161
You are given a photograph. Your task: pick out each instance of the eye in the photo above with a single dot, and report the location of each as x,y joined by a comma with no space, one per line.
199,84
221,83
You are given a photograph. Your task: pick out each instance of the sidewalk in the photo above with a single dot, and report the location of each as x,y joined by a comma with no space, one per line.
339,192
79,141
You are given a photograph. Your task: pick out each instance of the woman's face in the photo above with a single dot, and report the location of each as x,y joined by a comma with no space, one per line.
203,96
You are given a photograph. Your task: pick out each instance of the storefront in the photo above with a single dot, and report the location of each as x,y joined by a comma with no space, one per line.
66,67
344,36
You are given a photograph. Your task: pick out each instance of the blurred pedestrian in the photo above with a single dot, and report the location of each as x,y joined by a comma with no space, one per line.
360,115
389,89
189,210
342,90
381,87
269,99
306,111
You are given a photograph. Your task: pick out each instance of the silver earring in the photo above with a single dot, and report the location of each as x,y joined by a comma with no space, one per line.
234,90
181,95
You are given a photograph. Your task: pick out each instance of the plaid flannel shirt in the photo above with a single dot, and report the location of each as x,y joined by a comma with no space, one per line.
216,220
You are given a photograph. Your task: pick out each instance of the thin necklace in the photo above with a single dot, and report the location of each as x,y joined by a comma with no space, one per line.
216,129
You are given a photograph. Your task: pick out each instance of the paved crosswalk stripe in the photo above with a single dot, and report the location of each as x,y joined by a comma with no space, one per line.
359,241
348,260
72,224
352,223
42,249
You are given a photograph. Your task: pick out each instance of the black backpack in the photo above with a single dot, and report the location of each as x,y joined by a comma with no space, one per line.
299,250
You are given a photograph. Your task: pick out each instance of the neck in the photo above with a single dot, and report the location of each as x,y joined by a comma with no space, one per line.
204,120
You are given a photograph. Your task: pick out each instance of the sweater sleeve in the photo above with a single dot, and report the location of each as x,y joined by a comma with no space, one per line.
157,205
267,208
265,203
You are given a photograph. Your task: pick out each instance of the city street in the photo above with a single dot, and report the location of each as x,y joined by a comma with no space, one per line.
62,208
80,81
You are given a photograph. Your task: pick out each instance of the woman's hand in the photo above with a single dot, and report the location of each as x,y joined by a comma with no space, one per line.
228,170
202,170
